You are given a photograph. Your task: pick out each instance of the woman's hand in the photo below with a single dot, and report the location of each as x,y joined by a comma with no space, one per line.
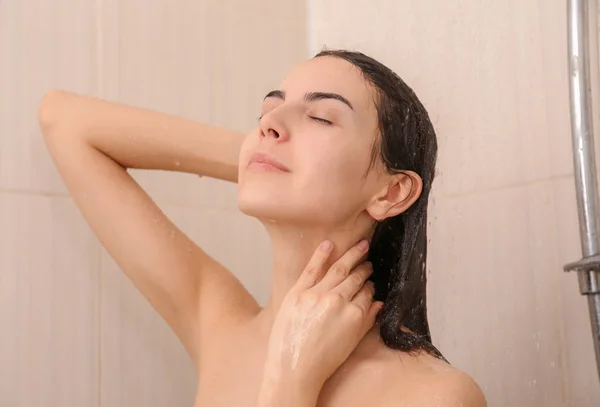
322,319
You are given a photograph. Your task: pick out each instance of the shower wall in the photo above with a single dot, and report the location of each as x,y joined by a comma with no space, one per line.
73,330
503,220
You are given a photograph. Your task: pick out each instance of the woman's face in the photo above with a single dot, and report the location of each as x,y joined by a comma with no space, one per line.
320,124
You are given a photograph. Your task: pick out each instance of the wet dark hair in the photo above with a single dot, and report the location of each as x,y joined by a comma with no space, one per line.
398,249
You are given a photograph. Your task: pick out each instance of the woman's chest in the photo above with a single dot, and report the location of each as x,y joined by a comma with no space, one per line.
234,380
231,376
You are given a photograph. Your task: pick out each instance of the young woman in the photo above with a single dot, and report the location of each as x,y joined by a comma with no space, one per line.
339,171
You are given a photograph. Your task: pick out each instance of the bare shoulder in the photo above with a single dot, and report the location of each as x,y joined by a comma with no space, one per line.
378,376
452,388
427,381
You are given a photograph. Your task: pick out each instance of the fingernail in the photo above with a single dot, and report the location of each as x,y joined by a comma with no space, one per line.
326,246
363,245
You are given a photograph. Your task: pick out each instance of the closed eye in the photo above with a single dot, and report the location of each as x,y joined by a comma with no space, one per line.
321,120
318,119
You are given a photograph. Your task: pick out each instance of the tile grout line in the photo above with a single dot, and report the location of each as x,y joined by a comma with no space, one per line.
17,191
470,193
311,28
160,203
234,207
99,77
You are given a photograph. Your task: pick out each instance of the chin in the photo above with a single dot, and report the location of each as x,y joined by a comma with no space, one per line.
272,207
271,200
263,207
289,212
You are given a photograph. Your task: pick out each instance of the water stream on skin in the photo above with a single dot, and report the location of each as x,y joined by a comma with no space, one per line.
300,330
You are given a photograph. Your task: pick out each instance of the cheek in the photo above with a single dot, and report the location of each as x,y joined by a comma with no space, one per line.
339,164
335,174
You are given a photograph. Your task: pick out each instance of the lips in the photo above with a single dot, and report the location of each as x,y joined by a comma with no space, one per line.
266,159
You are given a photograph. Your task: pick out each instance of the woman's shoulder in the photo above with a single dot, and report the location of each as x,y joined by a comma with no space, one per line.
422,379
384,377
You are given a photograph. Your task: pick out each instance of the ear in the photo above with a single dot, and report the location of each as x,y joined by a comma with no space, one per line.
401,191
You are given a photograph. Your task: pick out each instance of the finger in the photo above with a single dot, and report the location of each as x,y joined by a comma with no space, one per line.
340,270
364,297
376,307
315,268
355,281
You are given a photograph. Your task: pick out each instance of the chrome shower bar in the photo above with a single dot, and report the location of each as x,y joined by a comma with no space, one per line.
584,160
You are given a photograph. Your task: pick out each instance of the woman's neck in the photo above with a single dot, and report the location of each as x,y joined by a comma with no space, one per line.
292,249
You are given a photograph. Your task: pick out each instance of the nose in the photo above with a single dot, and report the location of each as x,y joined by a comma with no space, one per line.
270,132
273,126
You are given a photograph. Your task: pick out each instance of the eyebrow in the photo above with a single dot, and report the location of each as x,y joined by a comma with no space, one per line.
311,96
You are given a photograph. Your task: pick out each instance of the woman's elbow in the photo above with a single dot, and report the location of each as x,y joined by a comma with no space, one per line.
51,110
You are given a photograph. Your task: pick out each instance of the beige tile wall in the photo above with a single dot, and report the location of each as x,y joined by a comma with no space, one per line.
74,331
492,74
494,78
49,303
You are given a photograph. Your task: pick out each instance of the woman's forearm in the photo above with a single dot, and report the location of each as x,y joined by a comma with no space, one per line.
141,138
